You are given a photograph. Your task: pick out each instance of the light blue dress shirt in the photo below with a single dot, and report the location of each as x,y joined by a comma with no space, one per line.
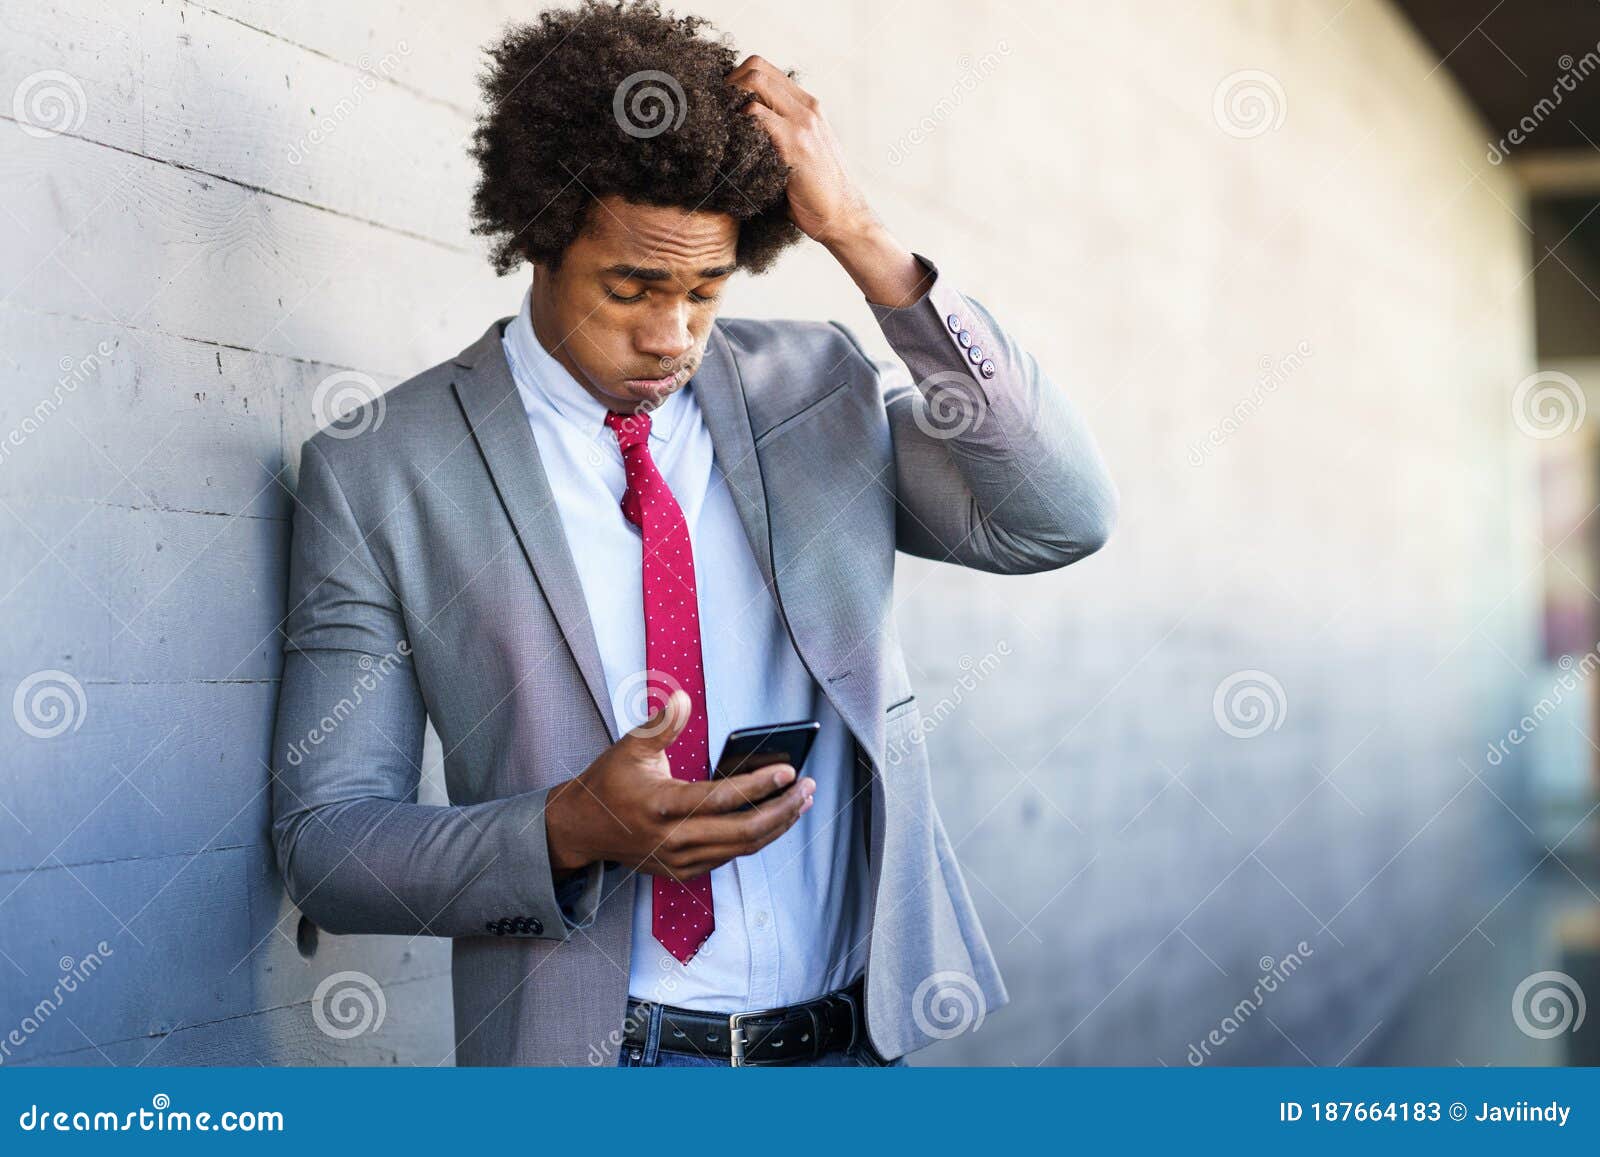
792,919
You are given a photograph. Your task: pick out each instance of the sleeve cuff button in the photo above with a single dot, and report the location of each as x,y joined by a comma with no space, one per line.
954,322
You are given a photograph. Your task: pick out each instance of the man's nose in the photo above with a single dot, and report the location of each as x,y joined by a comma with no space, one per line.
667,337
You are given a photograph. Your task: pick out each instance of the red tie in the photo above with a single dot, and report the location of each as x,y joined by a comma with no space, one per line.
681,913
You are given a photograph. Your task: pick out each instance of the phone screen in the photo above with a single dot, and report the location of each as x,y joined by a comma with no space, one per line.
750,748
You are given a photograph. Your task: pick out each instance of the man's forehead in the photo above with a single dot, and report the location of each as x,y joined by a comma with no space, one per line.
662,236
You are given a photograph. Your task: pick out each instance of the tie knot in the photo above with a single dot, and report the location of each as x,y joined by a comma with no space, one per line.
631,429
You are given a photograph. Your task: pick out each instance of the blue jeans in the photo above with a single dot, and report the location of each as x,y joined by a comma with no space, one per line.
653,1056
666,1060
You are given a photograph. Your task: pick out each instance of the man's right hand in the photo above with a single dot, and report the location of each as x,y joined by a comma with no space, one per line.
625,806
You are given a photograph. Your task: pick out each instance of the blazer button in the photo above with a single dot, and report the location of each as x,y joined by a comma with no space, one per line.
964,339
987,368
489,927
535,927
954,322
976,354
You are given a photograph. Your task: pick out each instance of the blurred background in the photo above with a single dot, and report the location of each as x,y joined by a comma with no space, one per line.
1299,769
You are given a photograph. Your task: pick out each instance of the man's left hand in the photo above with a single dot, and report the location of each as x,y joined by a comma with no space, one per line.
823,202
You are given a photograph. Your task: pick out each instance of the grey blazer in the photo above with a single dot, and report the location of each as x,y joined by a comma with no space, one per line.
431,579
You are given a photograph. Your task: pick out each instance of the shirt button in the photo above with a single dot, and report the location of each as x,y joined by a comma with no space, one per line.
761,920
954,322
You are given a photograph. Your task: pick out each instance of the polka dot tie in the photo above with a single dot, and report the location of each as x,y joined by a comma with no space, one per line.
681,913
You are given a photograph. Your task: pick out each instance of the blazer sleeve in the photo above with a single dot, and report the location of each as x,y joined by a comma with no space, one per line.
356,851
996,471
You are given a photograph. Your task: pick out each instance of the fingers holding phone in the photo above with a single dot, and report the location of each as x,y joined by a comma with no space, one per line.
724,823
750,749
750,786
627,807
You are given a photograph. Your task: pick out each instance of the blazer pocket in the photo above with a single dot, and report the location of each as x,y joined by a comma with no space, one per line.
902,730
806,411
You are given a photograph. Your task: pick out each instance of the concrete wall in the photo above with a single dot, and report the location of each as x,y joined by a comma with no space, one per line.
248,200
256,197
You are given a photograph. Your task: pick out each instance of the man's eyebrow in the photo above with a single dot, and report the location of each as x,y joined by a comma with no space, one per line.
643,273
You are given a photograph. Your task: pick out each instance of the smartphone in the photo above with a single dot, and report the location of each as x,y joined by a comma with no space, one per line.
750,748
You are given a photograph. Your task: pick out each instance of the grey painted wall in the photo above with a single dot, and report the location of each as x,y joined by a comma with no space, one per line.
248,199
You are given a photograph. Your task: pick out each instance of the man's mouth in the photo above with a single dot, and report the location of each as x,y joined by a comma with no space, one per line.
659,383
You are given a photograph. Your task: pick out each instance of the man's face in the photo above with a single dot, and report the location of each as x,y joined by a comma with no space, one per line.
629,311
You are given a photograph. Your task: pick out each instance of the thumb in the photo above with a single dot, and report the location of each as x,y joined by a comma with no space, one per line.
664,725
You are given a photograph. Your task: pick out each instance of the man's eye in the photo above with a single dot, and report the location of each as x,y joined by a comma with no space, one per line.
697,298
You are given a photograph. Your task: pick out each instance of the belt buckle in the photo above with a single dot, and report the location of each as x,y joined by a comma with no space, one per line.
736,1041
855,1015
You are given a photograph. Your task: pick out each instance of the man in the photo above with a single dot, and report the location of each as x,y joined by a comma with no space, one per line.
615,528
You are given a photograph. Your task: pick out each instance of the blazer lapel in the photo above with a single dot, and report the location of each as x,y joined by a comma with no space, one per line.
493,408
722,404
847,676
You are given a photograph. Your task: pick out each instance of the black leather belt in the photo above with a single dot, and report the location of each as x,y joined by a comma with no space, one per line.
773,1036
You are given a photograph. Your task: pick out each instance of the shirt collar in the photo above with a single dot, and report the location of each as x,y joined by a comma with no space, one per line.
543,381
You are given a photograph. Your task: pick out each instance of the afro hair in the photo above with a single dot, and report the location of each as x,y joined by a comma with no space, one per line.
618,99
